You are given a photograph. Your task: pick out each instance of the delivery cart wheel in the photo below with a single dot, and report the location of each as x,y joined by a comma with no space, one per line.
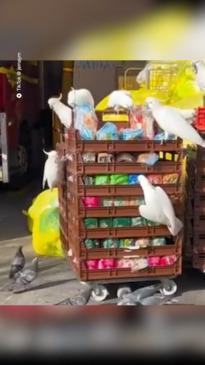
123,291
99,292
169,287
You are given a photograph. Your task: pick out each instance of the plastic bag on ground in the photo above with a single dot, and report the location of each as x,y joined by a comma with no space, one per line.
43,222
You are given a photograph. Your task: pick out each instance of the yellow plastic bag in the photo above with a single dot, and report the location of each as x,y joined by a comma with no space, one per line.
43,222
46,233
46,199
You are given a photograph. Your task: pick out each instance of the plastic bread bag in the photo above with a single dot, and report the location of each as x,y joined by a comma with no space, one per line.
91,243
124,263
119,179
86,133
168,260
102,180
133,179
107,202
136,117
122,222
136,201
151,223
105,157
141,243
148,158
121,202
158,241
92,264
104,264
89,157
139,264
162,137
91,202
131,134
153,261
109,131
155,179
88,180
91,122
126,242
105,222
148,123
91,223
125,157
135,264
137,221
111,243
170,178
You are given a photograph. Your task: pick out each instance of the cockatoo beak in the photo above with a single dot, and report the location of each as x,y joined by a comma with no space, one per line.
147,106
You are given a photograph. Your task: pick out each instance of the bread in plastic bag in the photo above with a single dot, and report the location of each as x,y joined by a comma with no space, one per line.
108,131
119,179
125,157
148,158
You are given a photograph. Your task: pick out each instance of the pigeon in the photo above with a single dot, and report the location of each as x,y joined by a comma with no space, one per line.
172,122
199,67
158,207
17,263
156,299
149,295
82,298
24,278
138,294
63,112
120,99
127,301
51,169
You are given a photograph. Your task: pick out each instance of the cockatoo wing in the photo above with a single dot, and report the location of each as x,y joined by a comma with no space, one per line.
66,116
187,114
44,176
147,213
166,204
173,223
172,122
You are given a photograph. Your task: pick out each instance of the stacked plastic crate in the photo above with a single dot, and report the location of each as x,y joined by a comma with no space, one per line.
76,185
199,199
189,210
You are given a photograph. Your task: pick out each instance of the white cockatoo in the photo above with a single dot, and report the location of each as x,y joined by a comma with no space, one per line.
80,97
158,207
120,99
199,67
142,76
82,102
51,169
172,122
63,112
188,114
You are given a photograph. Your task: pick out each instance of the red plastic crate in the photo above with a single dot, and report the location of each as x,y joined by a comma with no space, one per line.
200,119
